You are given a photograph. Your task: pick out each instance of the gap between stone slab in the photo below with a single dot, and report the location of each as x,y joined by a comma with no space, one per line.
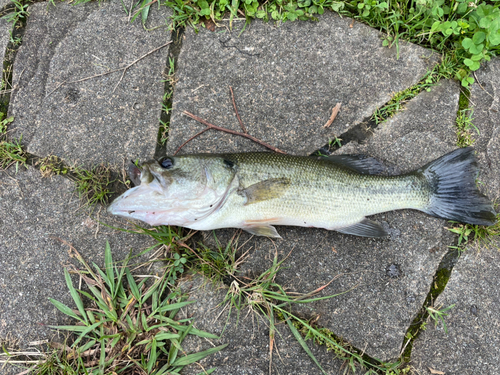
365,128
442,275
10,54
174,52
439,282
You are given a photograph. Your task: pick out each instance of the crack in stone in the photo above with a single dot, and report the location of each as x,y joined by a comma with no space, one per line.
174,52
223,44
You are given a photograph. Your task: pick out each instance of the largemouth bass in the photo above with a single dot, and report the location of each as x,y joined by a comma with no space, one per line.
255,191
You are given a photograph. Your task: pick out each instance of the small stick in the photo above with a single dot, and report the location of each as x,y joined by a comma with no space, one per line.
245,135
190,139
335,111
111,71
479,83
236,111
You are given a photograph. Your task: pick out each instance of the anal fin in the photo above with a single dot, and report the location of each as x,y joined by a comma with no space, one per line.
263,230
365,228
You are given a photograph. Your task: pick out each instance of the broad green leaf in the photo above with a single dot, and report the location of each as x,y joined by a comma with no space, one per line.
475,49
260,14
195,357
494,39
484,23
478,37
467,43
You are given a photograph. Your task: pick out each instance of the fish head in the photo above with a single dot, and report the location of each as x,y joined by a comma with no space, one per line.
178,190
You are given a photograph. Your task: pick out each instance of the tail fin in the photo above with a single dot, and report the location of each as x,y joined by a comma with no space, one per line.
454,192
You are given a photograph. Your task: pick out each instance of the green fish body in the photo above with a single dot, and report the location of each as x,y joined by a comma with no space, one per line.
255,191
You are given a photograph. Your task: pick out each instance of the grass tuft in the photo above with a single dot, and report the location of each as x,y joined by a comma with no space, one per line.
130,326
11,151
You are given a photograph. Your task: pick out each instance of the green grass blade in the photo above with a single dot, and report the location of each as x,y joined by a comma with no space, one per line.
152,357
108,263
166,336
86,331
195,357
174,306
133,286
64,309
199,333
302,343
75,295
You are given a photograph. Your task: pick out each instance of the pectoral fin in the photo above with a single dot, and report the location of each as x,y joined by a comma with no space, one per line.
268,189
365,228
263,230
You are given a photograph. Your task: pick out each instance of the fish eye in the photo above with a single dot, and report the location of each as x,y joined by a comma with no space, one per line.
166,163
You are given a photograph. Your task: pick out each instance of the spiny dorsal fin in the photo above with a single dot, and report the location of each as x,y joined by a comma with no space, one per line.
360,163
264,190
365,228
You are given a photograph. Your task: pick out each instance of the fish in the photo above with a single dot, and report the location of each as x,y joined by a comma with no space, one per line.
256,191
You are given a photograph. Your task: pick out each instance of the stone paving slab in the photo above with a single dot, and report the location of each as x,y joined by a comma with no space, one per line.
36,212
248,339
100,119
472,344
286,80
391,278
5,28
485,100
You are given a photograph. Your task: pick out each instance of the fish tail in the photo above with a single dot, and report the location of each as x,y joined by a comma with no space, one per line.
454,194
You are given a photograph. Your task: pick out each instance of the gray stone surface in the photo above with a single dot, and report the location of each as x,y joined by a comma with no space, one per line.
286,80
422,132
389,278
4,3
472,345
36,212
89,122
5,28
485,100
248,339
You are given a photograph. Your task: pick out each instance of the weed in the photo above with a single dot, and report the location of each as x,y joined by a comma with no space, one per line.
465,127
438,315
11,151
52,165
468,32
129,328
399,100
476,235
93,186
266,297
20,12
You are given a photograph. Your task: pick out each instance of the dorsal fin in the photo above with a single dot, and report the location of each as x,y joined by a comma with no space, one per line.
360,163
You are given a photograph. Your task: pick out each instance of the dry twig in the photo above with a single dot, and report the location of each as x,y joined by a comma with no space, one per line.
335,111
211,126
236,111
125,68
